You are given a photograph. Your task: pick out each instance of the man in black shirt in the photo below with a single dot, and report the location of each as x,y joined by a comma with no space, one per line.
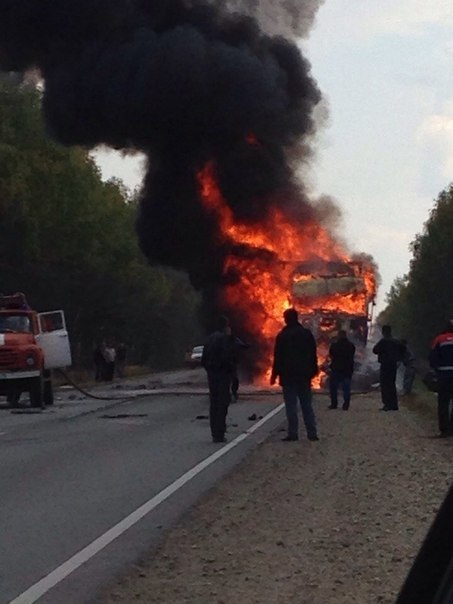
218,359
390,352
341,355
296,363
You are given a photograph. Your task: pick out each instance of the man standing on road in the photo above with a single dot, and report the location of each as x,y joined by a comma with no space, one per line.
218,359
341,355
441,359
296,363
390,352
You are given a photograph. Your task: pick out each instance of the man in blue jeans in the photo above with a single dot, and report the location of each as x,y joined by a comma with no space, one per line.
295,364
341,355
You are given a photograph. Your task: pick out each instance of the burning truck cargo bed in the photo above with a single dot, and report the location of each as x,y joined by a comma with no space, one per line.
333,297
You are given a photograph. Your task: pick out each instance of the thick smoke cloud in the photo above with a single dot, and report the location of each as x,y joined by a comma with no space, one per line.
185,83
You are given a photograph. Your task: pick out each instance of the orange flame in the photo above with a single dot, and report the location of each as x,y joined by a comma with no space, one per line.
268,278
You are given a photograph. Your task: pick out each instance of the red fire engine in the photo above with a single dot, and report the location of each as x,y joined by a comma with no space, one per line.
31,344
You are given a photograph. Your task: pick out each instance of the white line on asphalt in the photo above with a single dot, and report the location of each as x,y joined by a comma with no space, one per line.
33,593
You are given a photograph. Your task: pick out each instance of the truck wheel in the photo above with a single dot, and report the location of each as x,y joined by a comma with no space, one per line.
36,392
48,389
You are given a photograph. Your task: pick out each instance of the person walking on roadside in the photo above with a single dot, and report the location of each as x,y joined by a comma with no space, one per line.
341,355
409,368
295,364
218,360
441,360
390,352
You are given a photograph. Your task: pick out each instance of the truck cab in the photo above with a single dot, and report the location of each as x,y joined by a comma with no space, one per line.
31,345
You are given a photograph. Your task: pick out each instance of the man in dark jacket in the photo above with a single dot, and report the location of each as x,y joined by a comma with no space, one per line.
218,359
296,363
341,355
441,359
390,352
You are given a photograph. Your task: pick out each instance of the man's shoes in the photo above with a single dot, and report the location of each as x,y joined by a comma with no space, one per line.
219,440
332,407
288,439
313,438
345,407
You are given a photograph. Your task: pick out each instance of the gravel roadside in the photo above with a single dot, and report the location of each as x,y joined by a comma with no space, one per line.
336,521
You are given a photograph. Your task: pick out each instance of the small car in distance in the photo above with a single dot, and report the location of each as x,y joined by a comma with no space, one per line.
193,358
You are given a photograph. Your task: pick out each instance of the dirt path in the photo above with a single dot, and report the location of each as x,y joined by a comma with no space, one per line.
333,522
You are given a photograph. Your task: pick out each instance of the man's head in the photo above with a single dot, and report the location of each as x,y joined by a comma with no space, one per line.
290,316
342,334
386,331
222,323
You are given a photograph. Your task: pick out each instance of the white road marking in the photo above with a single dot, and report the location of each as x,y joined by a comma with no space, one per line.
33,593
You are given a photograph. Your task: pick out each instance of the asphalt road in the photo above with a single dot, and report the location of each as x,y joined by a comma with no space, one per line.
70,485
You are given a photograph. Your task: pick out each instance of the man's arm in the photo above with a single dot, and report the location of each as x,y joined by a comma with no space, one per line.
377,349
206,352
275,366
434,357
314,354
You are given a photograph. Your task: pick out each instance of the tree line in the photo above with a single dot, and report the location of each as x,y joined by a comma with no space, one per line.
67,240
420,303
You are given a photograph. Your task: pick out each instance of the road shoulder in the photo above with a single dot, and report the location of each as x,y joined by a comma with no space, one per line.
338,521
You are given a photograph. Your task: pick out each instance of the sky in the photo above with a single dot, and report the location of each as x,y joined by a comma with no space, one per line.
384,154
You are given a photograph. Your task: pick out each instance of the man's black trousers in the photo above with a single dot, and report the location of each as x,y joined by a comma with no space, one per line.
388,386
444,398
219,399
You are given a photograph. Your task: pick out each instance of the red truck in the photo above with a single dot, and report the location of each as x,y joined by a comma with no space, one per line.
31,345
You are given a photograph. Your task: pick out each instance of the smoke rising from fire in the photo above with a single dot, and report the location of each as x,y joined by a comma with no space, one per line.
184,82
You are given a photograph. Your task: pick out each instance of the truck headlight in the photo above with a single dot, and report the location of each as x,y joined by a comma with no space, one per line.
30,360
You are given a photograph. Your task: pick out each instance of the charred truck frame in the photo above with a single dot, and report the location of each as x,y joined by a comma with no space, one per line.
331,297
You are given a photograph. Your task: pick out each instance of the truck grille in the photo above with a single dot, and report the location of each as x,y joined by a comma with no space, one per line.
8,358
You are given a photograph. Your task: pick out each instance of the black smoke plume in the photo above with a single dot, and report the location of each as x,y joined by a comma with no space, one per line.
186,83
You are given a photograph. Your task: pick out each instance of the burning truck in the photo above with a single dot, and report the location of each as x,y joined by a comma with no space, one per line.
288,259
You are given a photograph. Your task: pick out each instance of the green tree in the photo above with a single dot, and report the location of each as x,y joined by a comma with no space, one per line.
67,239
420,303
